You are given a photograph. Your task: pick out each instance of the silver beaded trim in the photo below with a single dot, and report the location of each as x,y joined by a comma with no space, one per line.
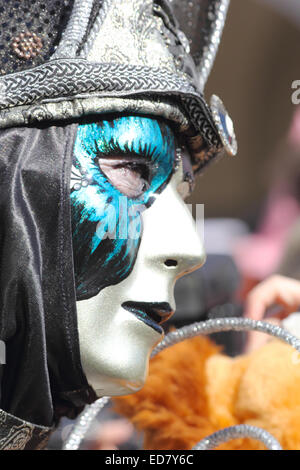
238,432
207,327
226,324
83,424
217,16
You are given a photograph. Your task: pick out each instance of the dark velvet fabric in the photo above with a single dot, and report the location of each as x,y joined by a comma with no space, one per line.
42,378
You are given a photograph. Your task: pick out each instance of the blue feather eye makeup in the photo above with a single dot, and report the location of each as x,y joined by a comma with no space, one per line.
119,167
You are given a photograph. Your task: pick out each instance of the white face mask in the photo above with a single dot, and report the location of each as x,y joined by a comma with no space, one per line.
119,326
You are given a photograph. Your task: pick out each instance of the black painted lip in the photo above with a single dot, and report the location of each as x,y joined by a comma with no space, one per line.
151,313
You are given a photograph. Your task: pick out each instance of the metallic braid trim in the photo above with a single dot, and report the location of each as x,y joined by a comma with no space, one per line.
106,4
190,331
77,78
75,29
67,78
238,432
217,15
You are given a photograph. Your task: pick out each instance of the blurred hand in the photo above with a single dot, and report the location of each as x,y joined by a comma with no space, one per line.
279,290
276,290
111,434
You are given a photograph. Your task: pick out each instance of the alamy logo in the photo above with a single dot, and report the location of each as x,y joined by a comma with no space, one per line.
123,222
296,94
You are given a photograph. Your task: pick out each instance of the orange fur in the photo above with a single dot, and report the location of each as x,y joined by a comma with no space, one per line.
193,390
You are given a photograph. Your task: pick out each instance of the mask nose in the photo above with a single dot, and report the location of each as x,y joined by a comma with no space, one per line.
177,248
185,251
182,265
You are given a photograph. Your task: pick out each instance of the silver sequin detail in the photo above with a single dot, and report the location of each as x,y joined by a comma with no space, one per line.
238,432
190,331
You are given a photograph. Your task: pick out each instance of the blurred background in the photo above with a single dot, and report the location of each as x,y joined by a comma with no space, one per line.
257,61
252,201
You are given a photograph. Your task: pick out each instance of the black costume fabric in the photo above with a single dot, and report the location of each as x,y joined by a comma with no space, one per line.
42,378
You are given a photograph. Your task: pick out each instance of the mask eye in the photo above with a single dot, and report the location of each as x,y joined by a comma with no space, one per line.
130,177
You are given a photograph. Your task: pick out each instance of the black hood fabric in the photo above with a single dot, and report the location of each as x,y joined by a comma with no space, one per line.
42,379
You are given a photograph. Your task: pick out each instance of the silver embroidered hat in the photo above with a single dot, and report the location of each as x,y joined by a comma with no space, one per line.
67,59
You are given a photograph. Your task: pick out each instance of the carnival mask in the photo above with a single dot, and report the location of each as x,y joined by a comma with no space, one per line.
113,89
132,237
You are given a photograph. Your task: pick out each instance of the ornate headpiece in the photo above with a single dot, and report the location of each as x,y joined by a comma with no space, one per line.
72,58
